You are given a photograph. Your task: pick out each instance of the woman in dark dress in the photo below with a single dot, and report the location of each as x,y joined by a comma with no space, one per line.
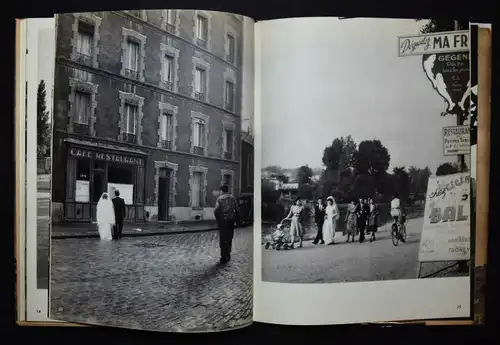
373,219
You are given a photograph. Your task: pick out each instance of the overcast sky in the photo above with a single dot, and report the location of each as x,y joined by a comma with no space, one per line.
46,62
323,78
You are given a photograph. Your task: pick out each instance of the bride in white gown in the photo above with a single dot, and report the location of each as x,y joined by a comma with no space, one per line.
105,217
331,216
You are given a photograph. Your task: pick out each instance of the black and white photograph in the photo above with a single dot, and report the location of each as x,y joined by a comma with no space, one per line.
44,130
366,150
152,170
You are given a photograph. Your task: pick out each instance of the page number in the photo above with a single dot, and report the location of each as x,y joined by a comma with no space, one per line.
459,306
38,311
60,309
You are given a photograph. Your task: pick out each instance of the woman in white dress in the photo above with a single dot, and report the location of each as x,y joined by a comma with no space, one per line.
331,216
105,217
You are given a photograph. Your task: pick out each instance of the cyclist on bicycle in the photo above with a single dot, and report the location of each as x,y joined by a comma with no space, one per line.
397,212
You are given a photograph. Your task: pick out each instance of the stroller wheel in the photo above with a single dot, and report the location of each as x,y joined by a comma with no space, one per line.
267,245
285,246
278,247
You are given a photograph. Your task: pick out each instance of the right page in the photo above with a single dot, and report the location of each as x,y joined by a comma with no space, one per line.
363,145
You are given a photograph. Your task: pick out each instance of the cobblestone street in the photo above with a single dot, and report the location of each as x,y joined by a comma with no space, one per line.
351,262
162,283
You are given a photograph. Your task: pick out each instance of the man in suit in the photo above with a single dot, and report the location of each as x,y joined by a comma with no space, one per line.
319,218
119,206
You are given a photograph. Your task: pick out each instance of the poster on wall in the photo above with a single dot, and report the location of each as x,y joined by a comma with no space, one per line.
82,191
126,192
456,140
446,229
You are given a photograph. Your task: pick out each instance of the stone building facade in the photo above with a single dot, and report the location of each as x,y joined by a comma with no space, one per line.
149,103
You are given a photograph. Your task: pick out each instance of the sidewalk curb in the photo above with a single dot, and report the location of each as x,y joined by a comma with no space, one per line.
138,234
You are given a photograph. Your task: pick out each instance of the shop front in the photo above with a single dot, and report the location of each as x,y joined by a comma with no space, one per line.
95,169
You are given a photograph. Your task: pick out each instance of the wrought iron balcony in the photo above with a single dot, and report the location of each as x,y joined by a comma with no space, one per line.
199,96
201,42
132,74
129,138
84,59
166,144
170,28
197,150
168,85
81,128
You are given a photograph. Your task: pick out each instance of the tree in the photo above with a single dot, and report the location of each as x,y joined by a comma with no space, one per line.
371,158
339,155
418,179
282,178
443,25
304,175
43,128
401,182
273,169
447,169
269,192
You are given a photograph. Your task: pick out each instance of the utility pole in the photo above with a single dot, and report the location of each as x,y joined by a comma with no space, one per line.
460,122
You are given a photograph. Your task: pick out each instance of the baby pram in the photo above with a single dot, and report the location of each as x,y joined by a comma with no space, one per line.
279,238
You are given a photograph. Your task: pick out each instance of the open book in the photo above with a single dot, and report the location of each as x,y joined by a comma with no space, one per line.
195,171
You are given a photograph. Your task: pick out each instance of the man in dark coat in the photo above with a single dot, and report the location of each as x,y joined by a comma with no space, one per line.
226,214
119,206
319,218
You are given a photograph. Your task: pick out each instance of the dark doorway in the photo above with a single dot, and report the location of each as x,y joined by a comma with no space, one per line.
163,194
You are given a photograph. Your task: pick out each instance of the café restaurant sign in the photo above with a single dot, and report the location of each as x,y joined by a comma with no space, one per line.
446,230
456,140
435,43
105,156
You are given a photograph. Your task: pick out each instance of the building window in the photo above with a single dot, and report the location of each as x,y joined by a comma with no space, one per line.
133,54
201,30
168,71
197,189
85,43
85,39
228,143
227,180
167,130
170,20
130,123
231,48
229,96
200,84
199,128
82,108
132,59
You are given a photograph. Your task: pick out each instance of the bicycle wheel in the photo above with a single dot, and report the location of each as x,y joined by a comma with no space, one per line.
403,233
395,235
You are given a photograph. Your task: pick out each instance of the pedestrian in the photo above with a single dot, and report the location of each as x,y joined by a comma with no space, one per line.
120,211
296,215
351,221
105,216
373,219
227,214
331,215
319,218
361,219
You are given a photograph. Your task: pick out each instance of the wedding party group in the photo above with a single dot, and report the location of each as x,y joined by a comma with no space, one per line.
361,219
110,215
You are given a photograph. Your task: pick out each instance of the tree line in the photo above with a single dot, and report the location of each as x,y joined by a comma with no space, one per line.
357,170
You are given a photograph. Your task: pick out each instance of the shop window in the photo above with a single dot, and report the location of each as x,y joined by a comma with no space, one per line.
83,169
122,178
120,175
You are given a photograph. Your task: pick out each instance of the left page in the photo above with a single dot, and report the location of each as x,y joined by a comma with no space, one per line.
150,127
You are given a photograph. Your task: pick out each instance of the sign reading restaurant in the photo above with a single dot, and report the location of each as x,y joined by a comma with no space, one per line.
443,42
105,156
456,140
